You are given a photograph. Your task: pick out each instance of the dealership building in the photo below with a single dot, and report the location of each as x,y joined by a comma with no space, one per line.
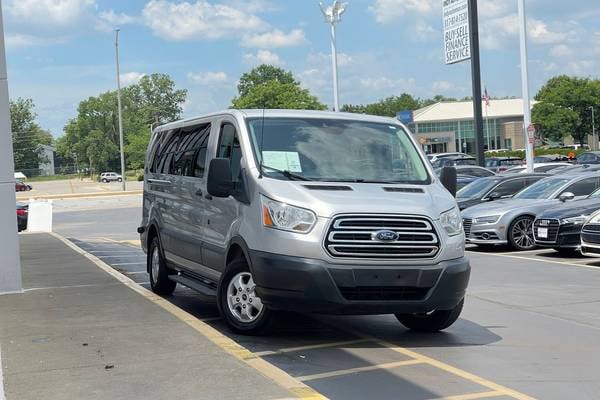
448,126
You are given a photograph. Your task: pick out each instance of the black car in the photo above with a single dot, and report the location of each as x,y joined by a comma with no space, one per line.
22,213
501,164
494,188
590,236
454,161
560,227
464,180
470,170
591,157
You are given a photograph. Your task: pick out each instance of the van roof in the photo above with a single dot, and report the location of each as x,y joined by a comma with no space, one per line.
271,113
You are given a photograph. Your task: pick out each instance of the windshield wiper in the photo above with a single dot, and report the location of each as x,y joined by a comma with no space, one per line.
288,174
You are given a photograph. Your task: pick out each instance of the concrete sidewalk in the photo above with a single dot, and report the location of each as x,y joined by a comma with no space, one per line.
79,333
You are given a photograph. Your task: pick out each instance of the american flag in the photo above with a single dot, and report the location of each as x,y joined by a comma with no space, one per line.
486,98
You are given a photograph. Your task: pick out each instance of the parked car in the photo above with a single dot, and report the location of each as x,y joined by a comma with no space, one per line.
22,186
574,169
454,161
22,214
464,180
437,156
494,188
548,158
302,211
510,221
501,164
470,170
538,167
591,157
560,226
110,177
590,236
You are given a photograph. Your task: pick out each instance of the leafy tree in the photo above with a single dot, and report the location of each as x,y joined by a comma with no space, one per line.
27,135
99,151
386,107
262,74
276,95
561,94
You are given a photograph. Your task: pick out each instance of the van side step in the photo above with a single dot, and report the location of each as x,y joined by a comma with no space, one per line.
194,284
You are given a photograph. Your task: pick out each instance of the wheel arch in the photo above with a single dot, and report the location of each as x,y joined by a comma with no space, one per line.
238,248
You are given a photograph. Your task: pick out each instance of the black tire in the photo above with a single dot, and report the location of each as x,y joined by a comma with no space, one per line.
120,180
261,321
433,322
159,282
520,234
104,180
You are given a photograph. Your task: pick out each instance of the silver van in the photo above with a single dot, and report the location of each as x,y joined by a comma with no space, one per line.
284,210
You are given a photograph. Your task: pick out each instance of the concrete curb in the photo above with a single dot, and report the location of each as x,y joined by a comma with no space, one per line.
80,195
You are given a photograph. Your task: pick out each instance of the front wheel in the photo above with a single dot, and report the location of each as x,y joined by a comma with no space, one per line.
104,180
520,234
120,180
238,302
434,321
159,272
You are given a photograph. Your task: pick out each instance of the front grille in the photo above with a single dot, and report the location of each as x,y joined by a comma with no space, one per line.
590,237
551,224
355,236
591,228
467,224
383,293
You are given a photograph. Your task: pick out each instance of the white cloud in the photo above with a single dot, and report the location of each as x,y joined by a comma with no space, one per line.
130,78
382,82
274,38
15,41
424,30
207,78
387,11
109,20
263,57
324,59
443,86
49,13
538,32
560,50
198,20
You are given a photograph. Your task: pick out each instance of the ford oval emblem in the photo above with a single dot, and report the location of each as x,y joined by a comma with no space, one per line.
385,236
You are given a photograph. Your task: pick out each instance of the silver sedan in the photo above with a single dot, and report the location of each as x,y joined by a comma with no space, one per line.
510,221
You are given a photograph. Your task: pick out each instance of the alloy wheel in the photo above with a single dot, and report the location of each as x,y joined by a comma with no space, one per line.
242,301
522,233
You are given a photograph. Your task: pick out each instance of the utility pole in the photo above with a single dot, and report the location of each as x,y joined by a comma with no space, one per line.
594,129
525,88
333,15
10,262
120,112
476,81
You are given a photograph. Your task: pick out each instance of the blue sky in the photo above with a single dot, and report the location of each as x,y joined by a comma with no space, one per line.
62,51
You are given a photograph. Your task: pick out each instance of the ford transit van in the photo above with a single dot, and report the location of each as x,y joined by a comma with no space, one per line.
319,212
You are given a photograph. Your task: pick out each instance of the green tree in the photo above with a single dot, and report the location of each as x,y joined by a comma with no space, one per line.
387,107
99,151
262,74
561,94
27,135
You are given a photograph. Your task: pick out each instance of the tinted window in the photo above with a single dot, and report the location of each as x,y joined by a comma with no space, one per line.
168,151
477,188
190,142
509,188
480,172
229,147
542,189
583,187
200,156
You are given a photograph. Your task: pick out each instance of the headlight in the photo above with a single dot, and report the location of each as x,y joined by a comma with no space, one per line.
579,220
451,221
489,219
595,219
287,218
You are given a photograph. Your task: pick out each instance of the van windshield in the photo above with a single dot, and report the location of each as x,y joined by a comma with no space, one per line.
332,150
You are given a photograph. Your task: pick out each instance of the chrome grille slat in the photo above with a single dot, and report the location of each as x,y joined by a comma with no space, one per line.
354,236
467,224
553,226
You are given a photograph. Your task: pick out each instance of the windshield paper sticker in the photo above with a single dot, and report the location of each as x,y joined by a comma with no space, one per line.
282,160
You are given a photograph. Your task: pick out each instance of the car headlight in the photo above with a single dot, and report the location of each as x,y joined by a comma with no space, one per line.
287,218
488,219
595,219
451,221
579,220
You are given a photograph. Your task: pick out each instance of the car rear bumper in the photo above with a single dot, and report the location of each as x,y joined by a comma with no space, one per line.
309,285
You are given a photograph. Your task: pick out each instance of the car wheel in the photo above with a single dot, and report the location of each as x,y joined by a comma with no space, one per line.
520,234
104,180
120,180
159,272
238,302
434,321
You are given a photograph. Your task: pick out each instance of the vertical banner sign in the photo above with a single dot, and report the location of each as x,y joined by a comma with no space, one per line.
457,43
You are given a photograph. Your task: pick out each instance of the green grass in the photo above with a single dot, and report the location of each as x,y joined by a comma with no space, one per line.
45,178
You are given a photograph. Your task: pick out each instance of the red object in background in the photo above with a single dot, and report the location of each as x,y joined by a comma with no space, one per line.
21,212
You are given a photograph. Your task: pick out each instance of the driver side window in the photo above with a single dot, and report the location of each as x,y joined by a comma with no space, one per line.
229,147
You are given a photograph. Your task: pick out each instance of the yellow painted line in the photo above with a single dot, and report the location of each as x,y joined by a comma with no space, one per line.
571,264
309,347
349,371
473,396
293,385
133,242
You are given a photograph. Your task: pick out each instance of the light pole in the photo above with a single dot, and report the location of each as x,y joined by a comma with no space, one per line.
333,15
120,113
594,129
525,85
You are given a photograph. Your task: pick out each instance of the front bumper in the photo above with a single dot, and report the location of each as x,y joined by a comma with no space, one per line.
310,285
487,234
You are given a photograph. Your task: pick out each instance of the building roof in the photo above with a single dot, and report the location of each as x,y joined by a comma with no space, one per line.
463,110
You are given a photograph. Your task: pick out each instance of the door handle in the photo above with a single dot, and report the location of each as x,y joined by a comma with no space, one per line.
160,182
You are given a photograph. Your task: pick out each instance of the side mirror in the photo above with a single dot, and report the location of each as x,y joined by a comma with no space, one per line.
566,196
448,179
219,183
494,196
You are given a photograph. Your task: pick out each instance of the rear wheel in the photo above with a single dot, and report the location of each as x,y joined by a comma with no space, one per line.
520,234
104,180
159,272
434,321
120,180
238,302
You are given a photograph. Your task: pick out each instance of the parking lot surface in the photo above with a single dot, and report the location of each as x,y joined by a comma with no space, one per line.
529,328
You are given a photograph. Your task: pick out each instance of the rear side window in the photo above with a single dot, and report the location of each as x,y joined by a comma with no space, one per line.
510,188
169,149
229,147
583,187
192,141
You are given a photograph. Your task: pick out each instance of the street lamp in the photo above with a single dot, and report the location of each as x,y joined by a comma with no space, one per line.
525,84
333,15
594,129
120,113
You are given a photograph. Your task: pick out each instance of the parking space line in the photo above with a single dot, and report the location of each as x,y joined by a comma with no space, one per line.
341,372
2,395
277,375
308,347
474,396
542,260
64,287
129,263
134,272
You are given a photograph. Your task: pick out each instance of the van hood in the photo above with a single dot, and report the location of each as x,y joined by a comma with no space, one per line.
329,199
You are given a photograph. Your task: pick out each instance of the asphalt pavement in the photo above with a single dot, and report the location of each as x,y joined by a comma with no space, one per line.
529,328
